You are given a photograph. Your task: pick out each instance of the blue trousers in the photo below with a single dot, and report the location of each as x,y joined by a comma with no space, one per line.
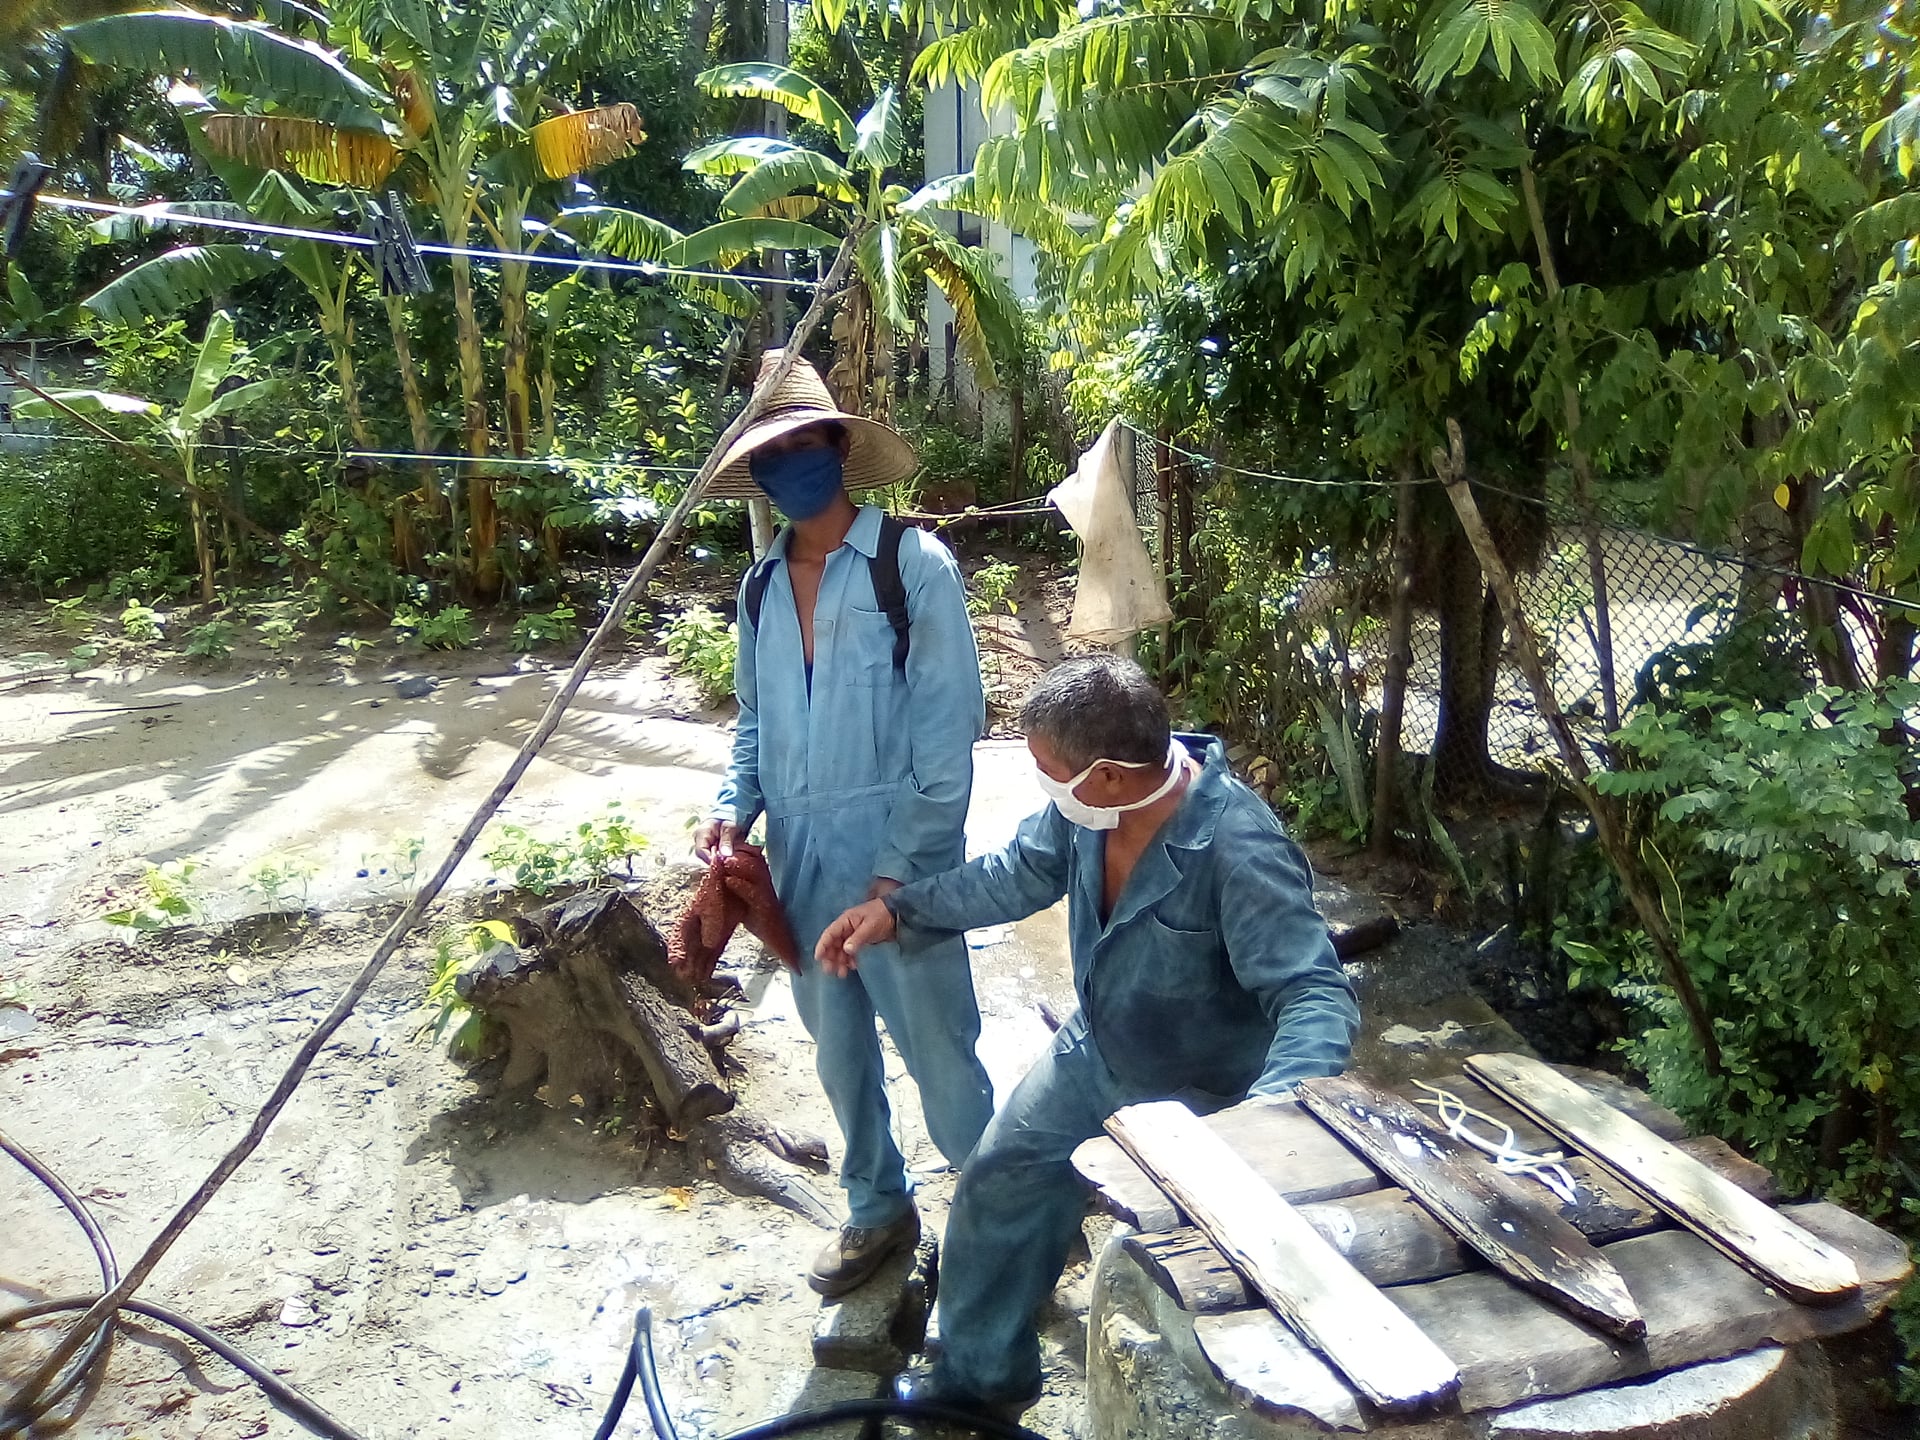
934,1019
1015,1213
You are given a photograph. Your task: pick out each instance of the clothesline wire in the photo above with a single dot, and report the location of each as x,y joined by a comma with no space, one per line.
165,214
404,457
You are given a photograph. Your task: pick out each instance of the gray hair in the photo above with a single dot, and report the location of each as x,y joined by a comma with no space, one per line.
1099,707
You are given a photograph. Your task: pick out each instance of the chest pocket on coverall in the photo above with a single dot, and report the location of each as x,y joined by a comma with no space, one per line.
867,642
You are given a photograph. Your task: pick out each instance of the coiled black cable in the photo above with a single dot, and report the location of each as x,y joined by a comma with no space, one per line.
18,1418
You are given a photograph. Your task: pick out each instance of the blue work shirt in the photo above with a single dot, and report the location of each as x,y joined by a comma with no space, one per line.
1214,975
862,771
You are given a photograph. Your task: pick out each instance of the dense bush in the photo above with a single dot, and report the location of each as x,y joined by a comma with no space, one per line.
82,512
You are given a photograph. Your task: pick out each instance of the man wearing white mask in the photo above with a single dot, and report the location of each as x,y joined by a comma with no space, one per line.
1203,971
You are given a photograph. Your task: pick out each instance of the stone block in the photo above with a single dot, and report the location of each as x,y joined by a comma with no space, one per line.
876,1327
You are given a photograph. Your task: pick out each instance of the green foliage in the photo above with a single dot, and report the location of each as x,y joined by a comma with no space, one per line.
553,627
141,622
1787,860
583,856
703,647
282,880
449,628
458,950
170,895
211,641
78,513
991,586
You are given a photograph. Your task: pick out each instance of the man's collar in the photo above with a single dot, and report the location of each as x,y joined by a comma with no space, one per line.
1191,825
863,535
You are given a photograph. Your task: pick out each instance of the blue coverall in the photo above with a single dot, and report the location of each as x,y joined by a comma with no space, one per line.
1213,978
863,773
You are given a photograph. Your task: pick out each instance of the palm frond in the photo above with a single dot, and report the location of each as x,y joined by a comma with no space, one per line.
177,279
759,80
586,139
313,149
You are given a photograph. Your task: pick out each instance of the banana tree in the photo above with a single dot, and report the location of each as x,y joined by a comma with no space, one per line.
901,249
208,398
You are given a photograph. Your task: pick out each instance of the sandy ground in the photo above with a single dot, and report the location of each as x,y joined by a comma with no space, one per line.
422,1257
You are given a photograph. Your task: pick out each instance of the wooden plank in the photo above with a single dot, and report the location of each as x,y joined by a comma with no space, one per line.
1270,1369
1286,1147
1328,1303
1393,1241
1721,1213
1519,1234
1384,1235
1698,1305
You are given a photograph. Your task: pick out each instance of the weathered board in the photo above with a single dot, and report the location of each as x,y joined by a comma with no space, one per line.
1723,1214
1511,1347
1518,1233
1286,1147
1304,1279
1393,1241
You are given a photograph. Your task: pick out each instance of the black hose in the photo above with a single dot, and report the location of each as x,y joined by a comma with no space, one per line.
18,1417
283,1395
640,1357
909,1410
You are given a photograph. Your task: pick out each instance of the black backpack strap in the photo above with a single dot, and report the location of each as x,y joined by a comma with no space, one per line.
755,595
889,591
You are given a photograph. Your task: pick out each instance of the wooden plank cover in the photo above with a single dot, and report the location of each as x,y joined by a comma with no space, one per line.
1286,1147
1511,1347
1393,1241
1330,1304
1720,1212
1518,1232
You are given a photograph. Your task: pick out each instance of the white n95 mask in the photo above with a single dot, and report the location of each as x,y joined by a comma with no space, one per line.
1107,817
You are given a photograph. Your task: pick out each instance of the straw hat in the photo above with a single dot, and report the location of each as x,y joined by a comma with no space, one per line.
876,454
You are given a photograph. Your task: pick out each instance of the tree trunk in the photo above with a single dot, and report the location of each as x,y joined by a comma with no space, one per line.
202,541
406,542
1460,761
515,343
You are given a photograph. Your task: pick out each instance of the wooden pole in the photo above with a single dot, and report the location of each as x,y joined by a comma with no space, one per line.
1393,691
1451,466
102,1310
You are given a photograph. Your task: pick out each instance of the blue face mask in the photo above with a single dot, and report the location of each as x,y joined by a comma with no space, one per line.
801,482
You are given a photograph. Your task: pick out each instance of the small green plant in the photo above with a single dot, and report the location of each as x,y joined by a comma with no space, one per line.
211,641
282,881
276,634
171,897
70,617
353,645
581,857
398,866
702,646
991,587
447,629
140,621
555,627
451,1021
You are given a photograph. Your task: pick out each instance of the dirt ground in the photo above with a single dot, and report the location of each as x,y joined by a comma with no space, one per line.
420,1255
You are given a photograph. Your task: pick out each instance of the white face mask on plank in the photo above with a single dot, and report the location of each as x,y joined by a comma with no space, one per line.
1107,817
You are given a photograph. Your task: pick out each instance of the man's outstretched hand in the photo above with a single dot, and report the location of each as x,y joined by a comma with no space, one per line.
841,943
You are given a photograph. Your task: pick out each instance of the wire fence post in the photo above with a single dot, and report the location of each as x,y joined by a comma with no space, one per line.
1393,691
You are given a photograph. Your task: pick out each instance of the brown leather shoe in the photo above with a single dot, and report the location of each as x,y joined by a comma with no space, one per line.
856,1252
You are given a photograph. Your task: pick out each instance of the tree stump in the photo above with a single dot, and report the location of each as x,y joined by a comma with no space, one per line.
591,1004
587,993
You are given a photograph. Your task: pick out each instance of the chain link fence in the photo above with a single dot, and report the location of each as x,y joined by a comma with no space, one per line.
1468,712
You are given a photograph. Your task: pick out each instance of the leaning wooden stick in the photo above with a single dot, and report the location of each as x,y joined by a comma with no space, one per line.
1307,1282
1451,467
1750,1231
1517,1232
137,1273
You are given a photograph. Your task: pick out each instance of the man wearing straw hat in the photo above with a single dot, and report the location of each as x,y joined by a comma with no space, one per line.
860,700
